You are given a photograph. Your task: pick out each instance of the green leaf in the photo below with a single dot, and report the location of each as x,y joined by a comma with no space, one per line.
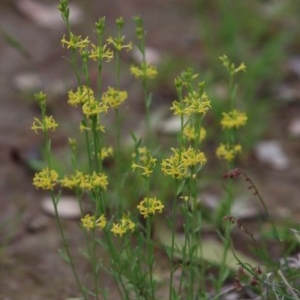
64,255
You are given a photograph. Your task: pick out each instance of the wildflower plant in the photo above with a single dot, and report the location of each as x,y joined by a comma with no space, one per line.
144,71
228,150
125,232
231,121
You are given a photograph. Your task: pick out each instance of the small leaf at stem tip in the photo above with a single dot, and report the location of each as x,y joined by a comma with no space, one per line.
46,15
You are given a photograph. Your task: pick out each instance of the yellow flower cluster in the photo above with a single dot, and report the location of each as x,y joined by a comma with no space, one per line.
93,108
46,179
233,119
144,70
228,152
193,103
86,182
90,106
46,124
106,152
79,97
114,98
180,163
118,43
191,134
123,226
97,53
143,161
88,49
90,222
192,157
75,42
149,206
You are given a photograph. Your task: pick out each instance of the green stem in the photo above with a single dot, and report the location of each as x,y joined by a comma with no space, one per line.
87,142
75,67
173,218
97,146
116,266
223,266
150,251
147,101
117,157
67,248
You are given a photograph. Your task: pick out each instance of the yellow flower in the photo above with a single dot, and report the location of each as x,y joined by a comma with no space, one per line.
71,181
93,108
174,167
93,181
230,66
85,127
242,67
228,152
99,54
149,206
99,180
185,198
114,98
85,181
197,102
45,179
118,43
145,70
192,157
46,124
75,42
123,226
179,108
90,222
178,165
101,222
106,152
143,161
81,96
90,105
233,119
193,103
191,134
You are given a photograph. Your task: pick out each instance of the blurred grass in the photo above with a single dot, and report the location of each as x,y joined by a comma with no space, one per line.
262,34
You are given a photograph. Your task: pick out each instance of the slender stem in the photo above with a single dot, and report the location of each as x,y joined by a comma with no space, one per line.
147,101
97,147
261,200
99,69
150,250
117,274
289,287
173,218
88,149
67,248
